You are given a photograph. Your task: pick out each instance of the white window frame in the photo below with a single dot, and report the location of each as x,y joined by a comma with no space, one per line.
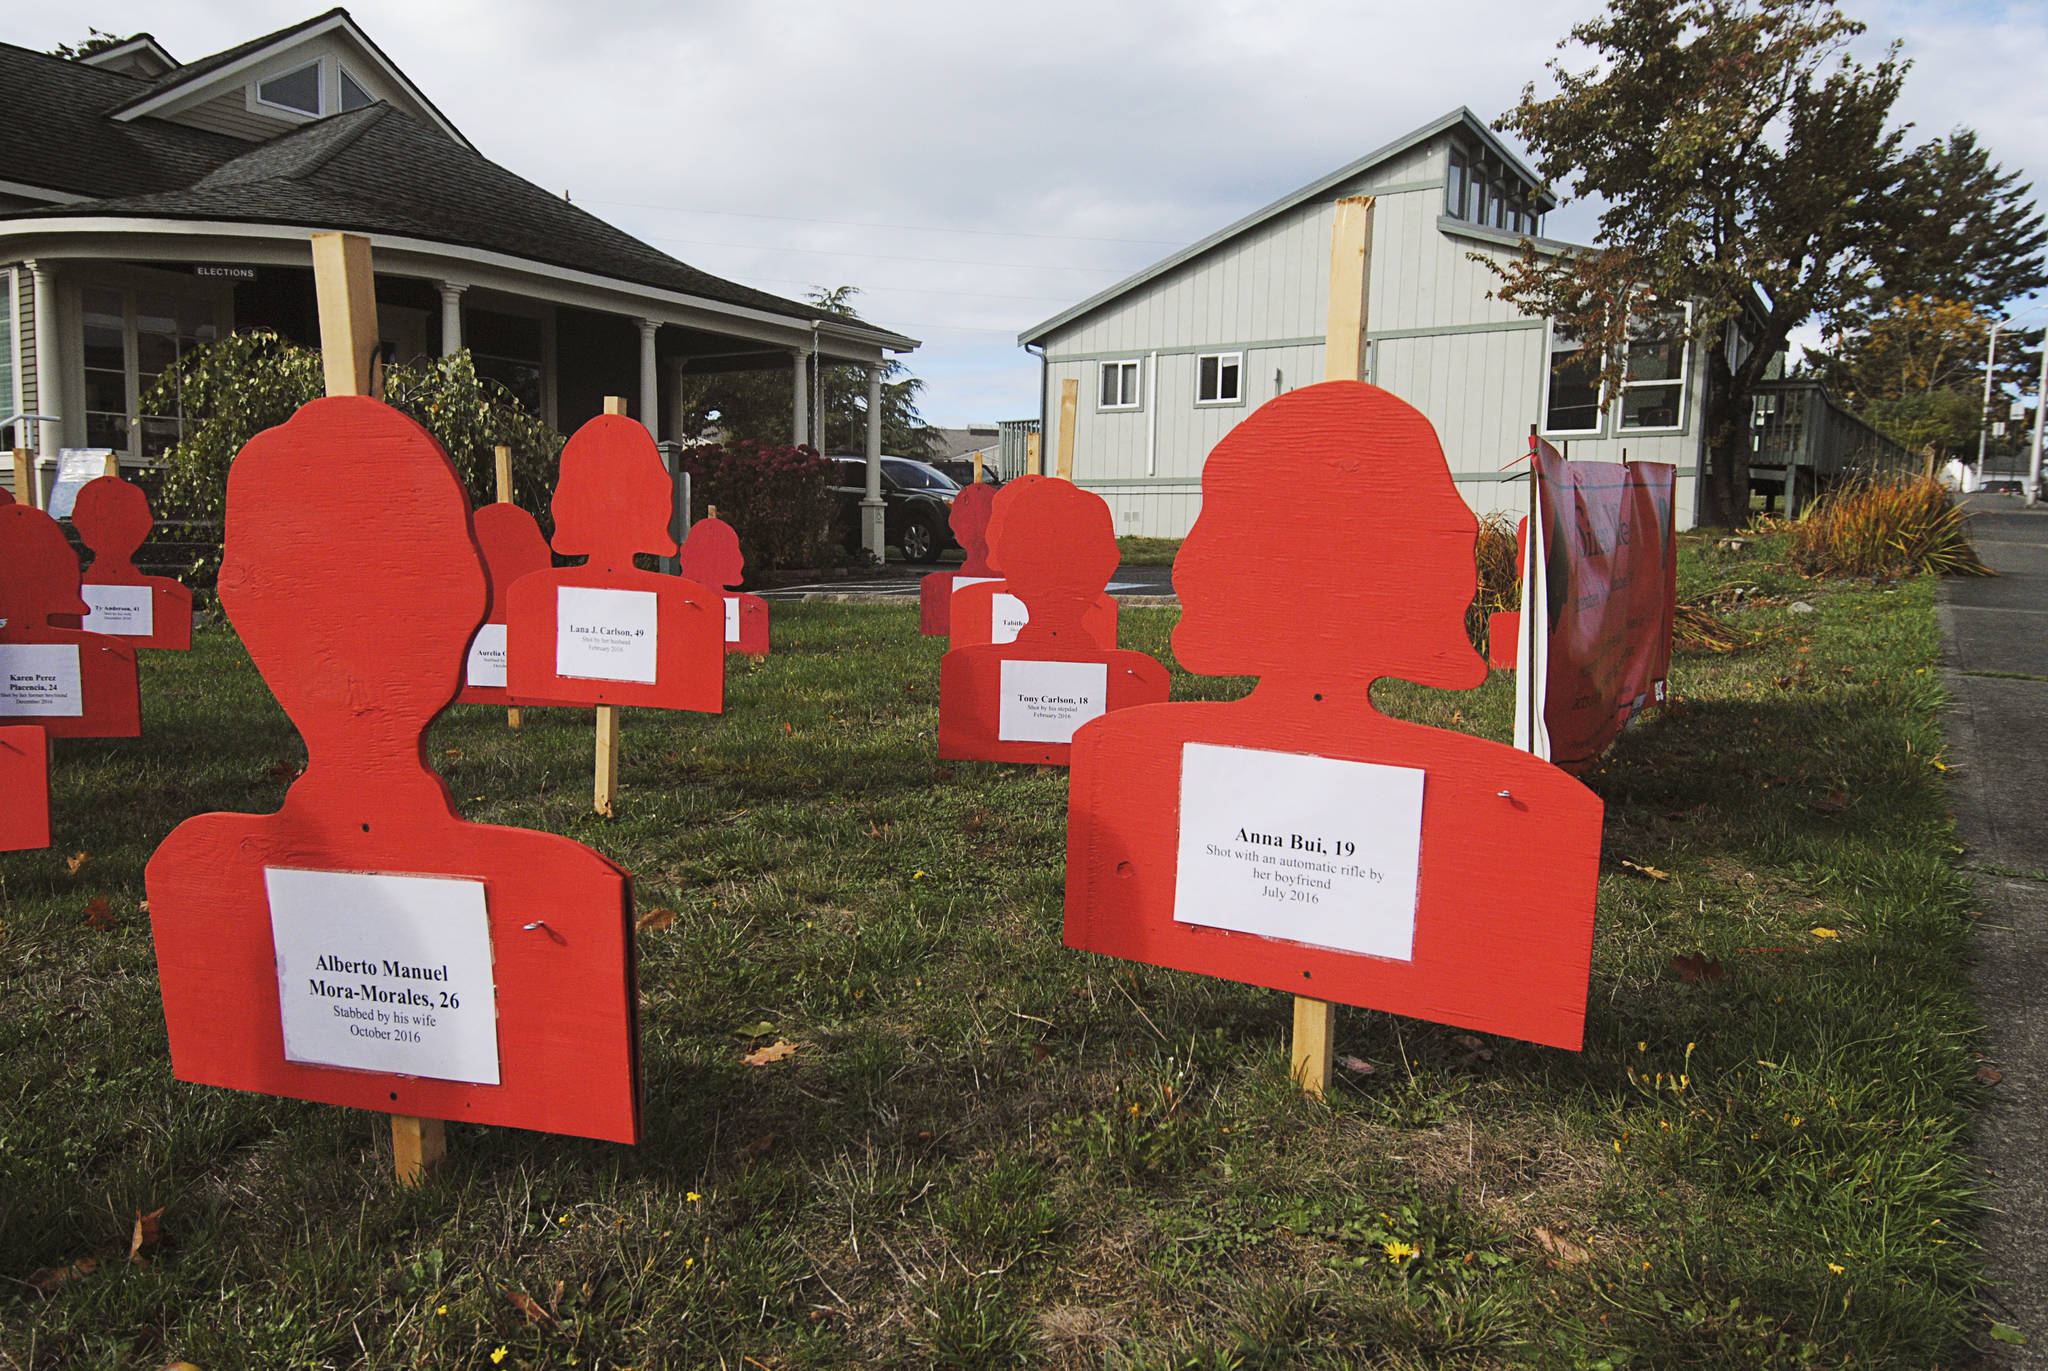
341,74
1137,366
1549,374
1221,358
1683,381
320,84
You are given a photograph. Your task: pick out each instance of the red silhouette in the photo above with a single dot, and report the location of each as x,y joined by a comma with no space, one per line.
969,517
989,611
25,781
1021,701
512,547
632,637
358,618
70,683
112,517
711,557
1373,581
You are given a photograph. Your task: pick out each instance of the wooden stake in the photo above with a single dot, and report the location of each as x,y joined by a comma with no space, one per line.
711,511
1033,457
344,285
1315,1042
114,465
504,456
24,489
605,792
1315,1021
1070,407
977,468
346,290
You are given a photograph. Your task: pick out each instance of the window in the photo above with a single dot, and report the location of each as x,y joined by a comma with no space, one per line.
1218,378
1653,376
1454,187
508,349
9,401
131,339
1571,402
1119,385
295,90
909,475
353,96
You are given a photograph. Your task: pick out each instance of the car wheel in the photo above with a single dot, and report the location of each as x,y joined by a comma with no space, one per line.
920,540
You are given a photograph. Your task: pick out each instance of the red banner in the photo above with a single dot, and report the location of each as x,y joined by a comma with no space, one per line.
1610,579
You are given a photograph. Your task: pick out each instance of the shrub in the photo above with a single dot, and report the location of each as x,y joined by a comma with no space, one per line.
1500,576
247,382
1894,527
777,498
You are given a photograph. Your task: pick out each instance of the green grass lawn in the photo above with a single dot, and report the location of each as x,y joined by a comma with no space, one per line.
988,1150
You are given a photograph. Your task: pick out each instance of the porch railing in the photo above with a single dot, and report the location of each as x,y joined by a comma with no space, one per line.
1802,441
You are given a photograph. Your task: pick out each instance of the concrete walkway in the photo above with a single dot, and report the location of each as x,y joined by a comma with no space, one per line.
1995,651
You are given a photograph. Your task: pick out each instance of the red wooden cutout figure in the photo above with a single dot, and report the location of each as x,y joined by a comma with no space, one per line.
969,517
512,547
25,782
71,683
988,611
365,945
711,557
1504,627
112,516
1022,701
1297,838
605,632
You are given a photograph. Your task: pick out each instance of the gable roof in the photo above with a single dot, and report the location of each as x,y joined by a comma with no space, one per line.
378,170
169,88
1461,117
139,50
56,135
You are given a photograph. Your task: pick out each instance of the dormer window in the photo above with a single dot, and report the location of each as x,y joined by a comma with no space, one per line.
297,90
1482,189
353,96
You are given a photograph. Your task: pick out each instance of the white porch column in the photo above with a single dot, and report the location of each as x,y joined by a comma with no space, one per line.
451,318
49,369
871,503
650,379
800,421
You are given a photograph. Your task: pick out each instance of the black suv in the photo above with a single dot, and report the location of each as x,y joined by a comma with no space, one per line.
961,469
917,504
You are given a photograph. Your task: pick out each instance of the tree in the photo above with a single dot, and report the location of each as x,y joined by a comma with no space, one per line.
94,41
1965,229
756,405
1746,164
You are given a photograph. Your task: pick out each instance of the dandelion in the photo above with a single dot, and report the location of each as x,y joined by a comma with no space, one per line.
1837,1268
499,1354
693,1197
564,1220
917,875
1397,1252
441,1309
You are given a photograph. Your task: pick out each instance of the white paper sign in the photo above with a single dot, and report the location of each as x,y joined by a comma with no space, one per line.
385,973
121,611
1007,616
1044,702
75,466
732,618
605,635
486,665
41,679
960,583
1309,849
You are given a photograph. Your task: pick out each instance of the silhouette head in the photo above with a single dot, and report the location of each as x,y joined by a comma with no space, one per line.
1332,541
512,546
972,509
357,614
112,516
1052,539
614,498
38,569
711,555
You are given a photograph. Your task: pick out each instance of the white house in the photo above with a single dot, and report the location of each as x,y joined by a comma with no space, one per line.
1170,359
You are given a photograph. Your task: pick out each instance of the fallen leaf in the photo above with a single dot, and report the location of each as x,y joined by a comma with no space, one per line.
1823,932
99,915
1466,1040
1681,816
1835,803
760,1028
2006,1333
755,1149
1647,872
787,729
453,754
48,1278
654,920
1561,1248
1356,1065
148,1231
526,1304
1987,1076
944,773
76,862
283,772
1040,1053
1698,969
774,1052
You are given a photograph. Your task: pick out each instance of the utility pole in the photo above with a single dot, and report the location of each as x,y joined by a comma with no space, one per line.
2033,491
1984,418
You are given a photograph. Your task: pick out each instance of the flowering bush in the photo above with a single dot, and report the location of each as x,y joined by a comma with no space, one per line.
777,498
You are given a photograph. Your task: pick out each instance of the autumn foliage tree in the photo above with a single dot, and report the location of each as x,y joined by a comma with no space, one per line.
1746,160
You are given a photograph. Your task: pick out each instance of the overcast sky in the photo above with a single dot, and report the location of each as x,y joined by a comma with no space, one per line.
975,169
